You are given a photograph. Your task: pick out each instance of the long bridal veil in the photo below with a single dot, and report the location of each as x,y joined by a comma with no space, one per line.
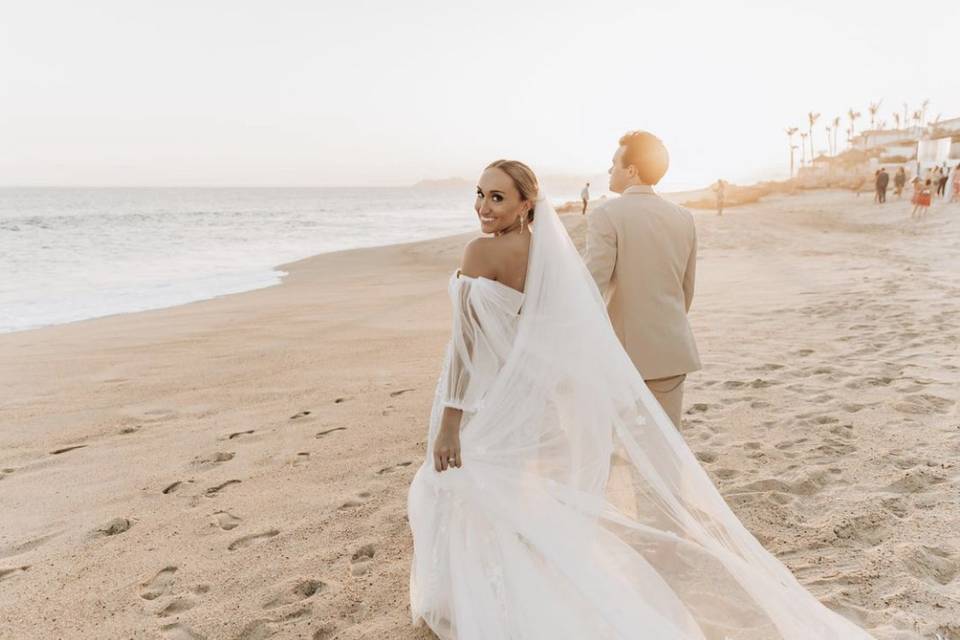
579,504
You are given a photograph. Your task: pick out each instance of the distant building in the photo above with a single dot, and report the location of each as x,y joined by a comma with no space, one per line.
940,145
921,147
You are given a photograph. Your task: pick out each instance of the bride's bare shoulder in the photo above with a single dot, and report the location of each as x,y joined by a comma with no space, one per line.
479,258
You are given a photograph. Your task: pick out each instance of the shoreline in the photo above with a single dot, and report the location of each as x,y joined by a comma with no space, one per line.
197,463
277,271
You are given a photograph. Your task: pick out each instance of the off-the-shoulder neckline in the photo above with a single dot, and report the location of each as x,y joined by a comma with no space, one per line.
460,274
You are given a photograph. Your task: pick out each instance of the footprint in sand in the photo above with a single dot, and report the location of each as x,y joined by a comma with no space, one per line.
726,474
325,631
897,506
237,434
833,449
128,430
869,528
179,631
394,394
263,628
212,491
362,498
159,585
246,541
869,381
392,468
302,414
853,407
112,528
295,591
12,571
339,400
301,458
172,487
362,560
56,452
915,481
789,444
176,606
922,403
698,407
328,431
842,430
769,366
706,456
930,564
226,520
213,460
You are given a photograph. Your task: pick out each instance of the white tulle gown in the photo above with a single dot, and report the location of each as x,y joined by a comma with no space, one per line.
579,511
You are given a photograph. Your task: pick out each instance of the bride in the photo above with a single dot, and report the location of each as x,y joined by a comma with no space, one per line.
557,501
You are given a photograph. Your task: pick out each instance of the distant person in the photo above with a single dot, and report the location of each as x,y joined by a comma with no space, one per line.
933,175
917,185
720,188
921,197
883,179
942,182
585,197
953,185
899,181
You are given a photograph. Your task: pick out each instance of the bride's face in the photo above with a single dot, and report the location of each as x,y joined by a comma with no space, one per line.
498,204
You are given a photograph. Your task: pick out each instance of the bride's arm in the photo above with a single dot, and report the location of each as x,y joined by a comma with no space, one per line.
459,371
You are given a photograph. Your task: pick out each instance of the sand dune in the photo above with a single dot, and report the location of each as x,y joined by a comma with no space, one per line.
237,468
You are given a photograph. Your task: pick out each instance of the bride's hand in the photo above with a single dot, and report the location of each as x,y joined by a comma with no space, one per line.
446,448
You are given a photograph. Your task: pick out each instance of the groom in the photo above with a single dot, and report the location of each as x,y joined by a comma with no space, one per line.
642,252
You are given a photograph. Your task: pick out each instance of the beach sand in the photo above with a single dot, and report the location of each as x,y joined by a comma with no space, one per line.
238,468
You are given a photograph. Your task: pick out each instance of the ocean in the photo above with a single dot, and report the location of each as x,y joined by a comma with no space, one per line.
69,254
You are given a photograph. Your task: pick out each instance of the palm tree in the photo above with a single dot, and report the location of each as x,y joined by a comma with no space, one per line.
853,115
905,118
790,132
923,110
836,127
918,117
803,149
812,117
896,119
873,108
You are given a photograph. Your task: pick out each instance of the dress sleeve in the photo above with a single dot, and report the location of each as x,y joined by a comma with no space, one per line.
461,388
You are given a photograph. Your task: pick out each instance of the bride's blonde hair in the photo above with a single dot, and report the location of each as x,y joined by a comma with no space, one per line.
524,179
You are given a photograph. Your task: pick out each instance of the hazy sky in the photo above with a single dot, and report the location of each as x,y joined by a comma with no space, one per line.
355,92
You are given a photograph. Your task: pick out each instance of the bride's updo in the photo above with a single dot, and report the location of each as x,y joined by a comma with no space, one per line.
524,179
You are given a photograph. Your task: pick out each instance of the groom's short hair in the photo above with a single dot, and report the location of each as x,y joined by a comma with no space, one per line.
646,152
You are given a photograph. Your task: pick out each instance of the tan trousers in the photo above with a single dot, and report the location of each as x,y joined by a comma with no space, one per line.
669,393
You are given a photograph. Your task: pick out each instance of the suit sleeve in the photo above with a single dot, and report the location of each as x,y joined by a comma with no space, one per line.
689,274
601,248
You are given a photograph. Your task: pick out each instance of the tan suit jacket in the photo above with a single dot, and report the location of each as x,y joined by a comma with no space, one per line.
642,253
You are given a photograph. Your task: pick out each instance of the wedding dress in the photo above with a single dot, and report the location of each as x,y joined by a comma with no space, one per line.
579,511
